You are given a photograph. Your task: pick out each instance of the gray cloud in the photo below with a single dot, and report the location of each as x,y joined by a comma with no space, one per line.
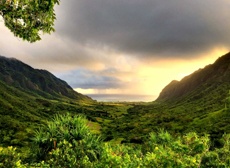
86,79
147,27
106,44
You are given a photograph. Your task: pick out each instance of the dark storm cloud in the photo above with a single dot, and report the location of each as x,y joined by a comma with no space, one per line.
147,27
85,79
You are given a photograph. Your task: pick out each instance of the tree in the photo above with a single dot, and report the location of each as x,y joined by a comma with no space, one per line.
28,18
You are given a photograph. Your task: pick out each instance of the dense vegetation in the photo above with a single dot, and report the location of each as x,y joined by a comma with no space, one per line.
66,141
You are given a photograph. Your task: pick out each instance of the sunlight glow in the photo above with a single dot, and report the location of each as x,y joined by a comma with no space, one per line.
85,91
151,78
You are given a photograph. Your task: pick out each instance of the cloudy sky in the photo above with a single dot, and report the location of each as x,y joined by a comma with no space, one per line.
127,46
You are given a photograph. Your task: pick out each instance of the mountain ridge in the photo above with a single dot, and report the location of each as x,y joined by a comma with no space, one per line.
29,97
210,75
18,74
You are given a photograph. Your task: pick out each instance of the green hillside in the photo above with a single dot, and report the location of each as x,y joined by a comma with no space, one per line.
203,81
29,97
199,102
33,81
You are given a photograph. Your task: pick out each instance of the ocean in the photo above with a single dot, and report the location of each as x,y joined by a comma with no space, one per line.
122,97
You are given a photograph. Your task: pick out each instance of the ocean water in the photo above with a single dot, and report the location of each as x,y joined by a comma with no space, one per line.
122,97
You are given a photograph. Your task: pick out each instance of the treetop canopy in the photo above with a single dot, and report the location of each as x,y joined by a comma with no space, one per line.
28,18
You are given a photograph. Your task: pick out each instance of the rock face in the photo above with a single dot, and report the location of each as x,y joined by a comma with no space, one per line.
201,81
17,74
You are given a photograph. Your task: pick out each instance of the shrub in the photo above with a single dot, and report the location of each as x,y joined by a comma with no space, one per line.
68,142
9,158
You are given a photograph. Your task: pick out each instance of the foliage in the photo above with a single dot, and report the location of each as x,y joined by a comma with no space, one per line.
161,150
67,142
67,136
10,158
27,18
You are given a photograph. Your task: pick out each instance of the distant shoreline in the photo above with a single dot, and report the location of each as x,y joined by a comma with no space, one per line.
122,97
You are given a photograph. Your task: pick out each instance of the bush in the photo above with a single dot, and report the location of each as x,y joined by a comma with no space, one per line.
9,158
67,142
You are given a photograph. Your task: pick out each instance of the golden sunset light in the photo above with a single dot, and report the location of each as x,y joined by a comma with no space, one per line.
116,54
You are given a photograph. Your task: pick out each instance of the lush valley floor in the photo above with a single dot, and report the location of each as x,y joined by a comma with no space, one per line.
45,123
126,134
67,141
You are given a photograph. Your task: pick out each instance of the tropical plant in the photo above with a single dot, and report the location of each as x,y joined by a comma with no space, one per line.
68,142
65,139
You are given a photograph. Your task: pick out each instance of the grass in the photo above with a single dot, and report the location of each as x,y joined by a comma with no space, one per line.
94,127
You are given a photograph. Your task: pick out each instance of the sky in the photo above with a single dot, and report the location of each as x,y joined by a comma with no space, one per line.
133,47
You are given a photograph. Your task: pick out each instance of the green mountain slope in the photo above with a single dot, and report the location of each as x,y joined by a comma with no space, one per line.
200,82
29,97
15,73
196,103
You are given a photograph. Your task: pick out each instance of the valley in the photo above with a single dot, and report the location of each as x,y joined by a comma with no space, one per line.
30,99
